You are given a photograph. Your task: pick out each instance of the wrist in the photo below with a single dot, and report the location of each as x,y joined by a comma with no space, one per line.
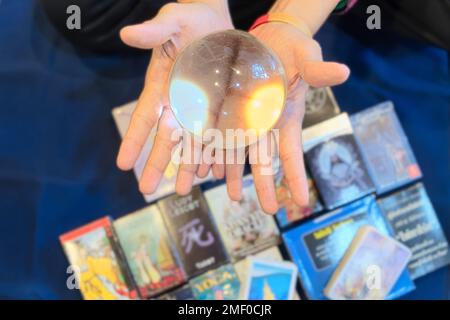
312,12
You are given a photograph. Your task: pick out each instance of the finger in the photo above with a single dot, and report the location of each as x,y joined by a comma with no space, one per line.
160,155
324,74
234,170
260,158
192,151
291,156
203,169
218,167
206,161
314,70
147,112
154,32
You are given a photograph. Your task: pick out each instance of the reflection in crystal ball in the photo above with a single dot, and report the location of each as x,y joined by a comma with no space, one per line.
227,80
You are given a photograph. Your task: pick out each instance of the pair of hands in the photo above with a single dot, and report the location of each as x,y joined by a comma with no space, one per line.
181,23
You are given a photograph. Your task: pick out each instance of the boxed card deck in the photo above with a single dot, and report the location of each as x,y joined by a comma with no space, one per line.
385,148
335,162
318,245
150,254
244,227
98,263
414,223
194,232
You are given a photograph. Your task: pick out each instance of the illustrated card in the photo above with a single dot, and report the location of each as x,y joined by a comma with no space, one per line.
370,267
271,280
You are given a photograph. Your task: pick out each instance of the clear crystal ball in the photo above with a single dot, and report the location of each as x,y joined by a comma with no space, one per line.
227,83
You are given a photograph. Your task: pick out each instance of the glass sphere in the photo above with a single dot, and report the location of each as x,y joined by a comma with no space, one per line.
230,82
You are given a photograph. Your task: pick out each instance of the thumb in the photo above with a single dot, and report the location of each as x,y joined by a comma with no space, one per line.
152,33
314,71
324,74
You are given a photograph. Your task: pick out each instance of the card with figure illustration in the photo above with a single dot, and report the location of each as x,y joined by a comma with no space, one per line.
149,252
219,284
385,147
270,280
370,267
122,117
289,211
194,232
98,262
335,162
244,227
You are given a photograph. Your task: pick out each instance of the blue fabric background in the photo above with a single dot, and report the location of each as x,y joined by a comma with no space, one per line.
58,141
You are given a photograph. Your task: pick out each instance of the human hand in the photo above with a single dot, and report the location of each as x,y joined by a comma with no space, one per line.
175,26
301,57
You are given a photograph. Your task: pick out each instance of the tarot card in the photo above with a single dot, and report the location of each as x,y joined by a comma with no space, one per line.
190,224
414,223
270,280
289,211
370,267
98,262
318,245
244,227
320,105
242,267
219,284
183,293
385,148
335,162
150,255
122,116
